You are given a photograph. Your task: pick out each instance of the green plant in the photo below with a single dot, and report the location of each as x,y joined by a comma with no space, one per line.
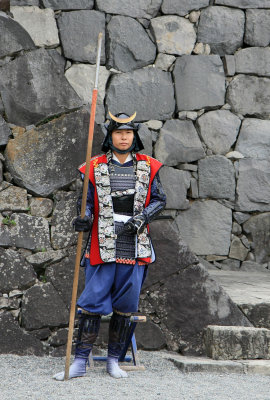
40,250
43,278
8,221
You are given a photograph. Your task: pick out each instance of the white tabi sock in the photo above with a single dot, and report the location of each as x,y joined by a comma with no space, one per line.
113,368
77,369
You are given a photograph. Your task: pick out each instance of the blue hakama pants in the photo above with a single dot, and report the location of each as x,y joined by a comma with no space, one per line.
112,286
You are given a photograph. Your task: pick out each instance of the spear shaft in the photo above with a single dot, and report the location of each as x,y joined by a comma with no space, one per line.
83,209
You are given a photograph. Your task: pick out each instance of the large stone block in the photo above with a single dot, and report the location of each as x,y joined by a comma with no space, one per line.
135,9
189,301
48,92
164,61
253,186
41,207
68,5
82,78
182,7
240,217
258,228
219,130
62,232
5,132
206,365
222,28
26,232
63,143
13,199
175,184
258,314
61,277
15,340
129,46
178,142
244,3
248,95
146,138
45,258
43,307
257,32
253,60
173,34
32,19
254,138
149,336
216,178
165,236
238,250
206,227
199,82
145,85
13,38
81,44
237,342
15,273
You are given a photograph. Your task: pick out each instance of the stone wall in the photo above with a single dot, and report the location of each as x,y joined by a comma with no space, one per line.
197,73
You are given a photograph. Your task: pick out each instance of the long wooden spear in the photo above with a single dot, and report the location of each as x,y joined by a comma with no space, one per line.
83,208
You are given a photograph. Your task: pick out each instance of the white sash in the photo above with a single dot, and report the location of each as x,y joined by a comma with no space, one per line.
121,218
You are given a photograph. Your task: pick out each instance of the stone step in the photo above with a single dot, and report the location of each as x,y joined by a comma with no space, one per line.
204,364
250,291
236,342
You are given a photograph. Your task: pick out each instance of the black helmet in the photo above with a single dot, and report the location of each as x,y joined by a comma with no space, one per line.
121,121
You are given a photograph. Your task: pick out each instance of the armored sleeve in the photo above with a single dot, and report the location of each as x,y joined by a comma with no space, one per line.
90,199
157,200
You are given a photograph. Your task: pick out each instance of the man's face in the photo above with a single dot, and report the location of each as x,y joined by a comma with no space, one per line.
122,139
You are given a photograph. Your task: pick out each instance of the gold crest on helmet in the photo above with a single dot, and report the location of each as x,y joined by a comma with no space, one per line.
122,120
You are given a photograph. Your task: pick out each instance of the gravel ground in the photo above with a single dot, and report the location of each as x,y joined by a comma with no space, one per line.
30,377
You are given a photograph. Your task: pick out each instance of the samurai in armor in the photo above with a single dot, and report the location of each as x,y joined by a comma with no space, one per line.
124,196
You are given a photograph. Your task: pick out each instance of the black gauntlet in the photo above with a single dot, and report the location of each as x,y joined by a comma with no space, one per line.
133,226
